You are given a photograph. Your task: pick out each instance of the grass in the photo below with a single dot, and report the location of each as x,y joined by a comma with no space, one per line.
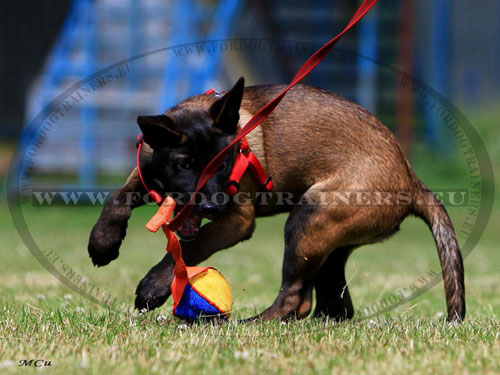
104,343
40,318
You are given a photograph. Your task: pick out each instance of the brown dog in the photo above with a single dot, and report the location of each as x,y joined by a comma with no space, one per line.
339,172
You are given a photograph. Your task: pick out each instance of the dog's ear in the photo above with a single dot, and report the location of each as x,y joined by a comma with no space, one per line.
225,111
159,131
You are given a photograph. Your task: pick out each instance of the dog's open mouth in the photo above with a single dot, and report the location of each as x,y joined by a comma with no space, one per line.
190,227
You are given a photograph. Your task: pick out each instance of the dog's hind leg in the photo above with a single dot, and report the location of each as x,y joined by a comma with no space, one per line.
237,225
315,229
332,293
305,252
110,229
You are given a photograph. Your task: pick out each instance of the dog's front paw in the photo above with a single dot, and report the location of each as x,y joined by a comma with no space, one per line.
104,243
152,292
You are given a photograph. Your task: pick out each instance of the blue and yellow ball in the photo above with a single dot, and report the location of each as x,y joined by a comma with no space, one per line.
207,295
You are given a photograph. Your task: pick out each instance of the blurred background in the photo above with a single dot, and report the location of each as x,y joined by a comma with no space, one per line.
49,46
133,58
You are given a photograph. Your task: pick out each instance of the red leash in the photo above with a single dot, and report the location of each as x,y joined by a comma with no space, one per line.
246,159
265,111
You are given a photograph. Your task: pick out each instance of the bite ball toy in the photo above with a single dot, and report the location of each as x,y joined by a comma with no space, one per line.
198,292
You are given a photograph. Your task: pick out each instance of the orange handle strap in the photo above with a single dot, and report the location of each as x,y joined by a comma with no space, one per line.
160,219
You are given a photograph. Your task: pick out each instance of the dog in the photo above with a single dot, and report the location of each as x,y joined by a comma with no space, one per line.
346,179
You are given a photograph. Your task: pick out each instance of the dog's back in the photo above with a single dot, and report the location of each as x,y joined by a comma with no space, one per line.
314,134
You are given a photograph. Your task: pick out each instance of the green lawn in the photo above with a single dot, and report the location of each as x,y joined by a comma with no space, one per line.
41,318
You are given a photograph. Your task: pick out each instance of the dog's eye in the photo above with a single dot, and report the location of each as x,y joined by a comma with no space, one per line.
185,164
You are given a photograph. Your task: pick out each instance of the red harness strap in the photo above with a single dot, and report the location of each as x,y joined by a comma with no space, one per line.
154,195
246,159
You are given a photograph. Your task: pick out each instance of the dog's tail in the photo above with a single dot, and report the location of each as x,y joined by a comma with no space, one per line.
430,209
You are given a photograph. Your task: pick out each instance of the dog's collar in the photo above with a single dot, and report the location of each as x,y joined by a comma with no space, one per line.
245,160
153,193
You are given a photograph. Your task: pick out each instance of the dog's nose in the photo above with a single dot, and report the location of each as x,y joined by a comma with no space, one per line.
209,208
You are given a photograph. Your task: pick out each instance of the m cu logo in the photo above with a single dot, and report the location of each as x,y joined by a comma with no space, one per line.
34,363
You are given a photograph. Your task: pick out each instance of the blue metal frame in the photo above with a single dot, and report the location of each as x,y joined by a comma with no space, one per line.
183,78
367,70
88,114
79,30
78,27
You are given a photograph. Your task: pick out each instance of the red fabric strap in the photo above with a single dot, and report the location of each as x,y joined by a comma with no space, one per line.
247,160
259,173
210,92
157,197
239,169
265,111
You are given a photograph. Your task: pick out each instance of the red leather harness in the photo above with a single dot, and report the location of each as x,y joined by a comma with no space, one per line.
245,160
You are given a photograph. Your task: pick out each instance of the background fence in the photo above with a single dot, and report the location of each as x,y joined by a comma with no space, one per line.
452,46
